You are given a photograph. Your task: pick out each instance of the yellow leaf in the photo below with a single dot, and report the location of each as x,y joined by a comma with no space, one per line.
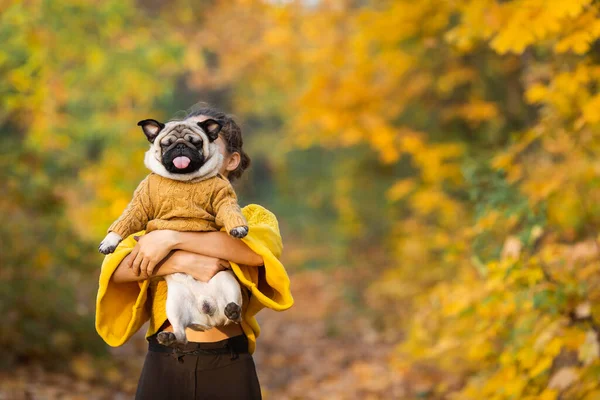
593,395
591,110
536,93
400,189
589,350
548,394
543,364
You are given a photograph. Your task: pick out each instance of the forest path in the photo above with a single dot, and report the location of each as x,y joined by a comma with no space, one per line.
302,353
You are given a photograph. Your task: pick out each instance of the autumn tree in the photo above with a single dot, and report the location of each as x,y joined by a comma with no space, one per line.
74,76
486,112
459,137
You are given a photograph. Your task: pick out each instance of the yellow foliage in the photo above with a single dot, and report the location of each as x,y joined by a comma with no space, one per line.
494,270
400,189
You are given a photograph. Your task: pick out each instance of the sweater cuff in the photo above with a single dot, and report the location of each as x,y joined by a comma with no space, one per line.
234,220
118,228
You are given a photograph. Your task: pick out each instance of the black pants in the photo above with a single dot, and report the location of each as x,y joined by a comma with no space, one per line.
219,370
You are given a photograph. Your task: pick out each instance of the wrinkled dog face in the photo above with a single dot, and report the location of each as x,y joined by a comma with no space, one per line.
182,150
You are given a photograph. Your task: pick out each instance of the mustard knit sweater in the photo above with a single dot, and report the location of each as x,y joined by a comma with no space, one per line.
162,203
122,308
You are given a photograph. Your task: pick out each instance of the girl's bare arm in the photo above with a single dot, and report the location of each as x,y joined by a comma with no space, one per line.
200,267
153,247
217,245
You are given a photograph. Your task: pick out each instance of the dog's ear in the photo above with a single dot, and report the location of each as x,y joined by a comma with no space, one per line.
211,127
151,128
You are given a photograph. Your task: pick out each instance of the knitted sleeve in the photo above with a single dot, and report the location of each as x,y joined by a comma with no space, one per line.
137,213
226,208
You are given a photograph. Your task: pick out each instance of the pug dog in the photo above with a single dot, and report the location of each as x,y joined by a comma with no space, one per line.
185,192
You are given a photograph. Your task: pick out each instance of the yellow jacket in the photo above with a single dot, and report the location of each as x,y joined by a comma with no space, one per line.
122,308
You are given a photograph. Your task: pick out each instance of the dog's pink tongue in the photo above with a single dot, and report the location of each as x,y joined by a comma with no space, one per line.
181,162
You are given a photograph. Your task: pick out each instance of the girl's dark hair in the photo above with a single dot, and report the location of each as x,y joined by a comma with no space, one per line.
230,132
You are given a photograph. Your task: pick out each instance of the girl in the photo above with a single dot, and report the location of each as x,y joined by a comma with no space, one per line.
216,363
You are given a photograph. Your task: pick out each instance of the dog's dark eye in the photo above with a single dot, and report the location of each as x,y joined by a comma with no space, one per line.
167,141
195,141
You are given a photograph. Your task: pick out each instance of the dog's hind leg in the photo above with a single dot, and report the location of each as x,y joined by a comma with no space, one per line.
179,300
229,295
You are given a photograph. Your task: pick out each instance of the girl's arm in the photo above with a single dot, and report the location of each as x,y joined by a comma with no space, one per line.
216,244
156,245
200,267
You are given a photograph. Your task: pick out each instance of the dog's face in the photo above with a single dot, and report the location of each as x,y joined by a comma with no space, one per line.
182,147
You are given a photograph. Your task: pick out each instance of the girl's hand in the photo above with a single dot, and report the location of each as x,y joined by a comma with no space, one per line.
151,249
200,267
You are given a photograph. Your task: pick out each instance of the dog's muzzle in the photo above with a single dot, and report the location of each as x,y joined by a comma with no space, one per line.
182,159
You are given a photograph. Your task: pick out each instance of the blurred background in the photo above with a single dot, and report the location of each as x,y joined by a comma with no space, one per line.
433,165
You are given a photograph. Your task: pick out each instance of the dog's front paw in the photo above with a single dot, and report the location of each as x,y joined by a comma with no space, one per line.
106,249
239,232
110,243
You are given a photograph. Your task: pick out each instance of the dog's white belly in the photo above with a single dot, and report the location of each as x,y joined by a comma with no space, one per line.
187,299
